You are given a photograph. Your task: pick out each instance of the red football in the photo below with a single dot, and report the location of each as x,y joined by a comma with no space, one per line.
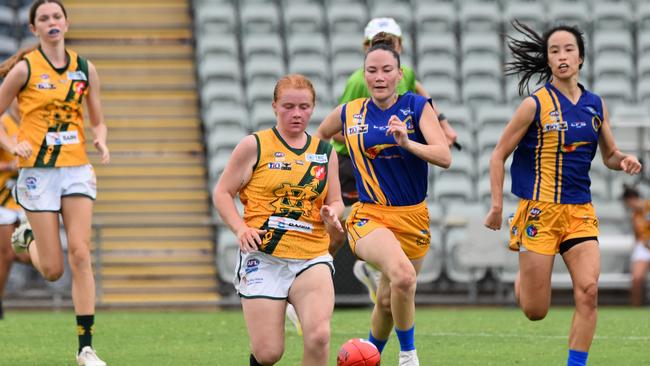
358,352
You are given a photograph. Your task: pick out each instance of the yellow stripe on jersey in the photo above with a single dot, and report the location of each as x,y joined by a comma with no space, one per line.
547,156
559,156
51,111
355,116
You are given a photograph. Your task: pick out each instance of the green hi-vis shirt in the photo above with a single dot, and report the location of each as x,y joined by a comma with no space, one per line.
356,88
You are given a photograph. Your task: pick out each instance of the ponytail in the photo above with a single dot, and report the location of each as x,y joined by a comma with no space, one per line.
9,63
531,53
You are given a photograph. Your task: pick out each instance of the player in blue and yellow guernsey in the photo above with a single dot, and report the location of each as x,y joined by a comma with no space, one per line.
391,139
288,183
51,83
554,135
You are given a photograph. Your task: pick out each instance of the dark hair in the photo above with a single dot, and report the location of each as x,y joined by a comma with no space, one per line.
386,47
36,4
630,192
531,53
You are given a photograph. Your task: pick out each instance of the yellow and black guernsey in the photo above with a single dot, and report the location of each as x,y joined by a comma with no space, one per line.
552,161
51,111
386,174
284,196
8,177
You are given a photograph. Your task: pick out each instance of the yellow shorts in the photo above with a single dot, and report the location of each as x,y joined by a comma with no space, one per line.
551,228
409,224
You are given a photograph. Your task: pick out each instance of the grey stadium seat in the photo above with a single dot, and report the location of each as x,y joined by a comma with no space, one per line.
644,43
225,137
487,138
259,18
347,18
262,117
219,68
497,116
401,12
479,16
227,254
314,67
343,66
433,19
442,66
260,92
262,45
530,13
304,17
480,43
264,68
612,15
643,16
478,92
486,66
615,41
222,92
643,94
613,65
225,114
216,19
643,71
218,46
450,186
568,13
346,45
458,115
432,263
441,90
614,90
301,44
7,21
436,45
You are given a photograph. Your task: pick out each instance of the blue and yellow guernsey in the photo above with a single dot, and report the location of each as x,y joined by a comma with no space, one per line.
386,174
552,161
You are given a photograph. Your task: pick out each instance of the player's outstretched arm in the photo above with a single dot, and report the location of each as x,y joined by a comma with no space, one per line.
331,124
510,138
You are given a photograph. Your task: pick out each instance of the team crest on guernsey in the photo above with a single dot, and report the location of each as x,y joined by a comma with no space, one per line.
531,231
318,172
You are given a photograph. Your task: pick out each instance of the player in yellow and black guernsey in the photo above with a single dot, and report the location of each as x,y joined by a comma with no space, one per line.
10,212
391,139
554,134
51,82
288,183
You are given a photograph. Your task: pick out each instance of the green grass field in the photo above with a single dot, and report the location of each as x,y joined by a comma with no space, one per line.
445,336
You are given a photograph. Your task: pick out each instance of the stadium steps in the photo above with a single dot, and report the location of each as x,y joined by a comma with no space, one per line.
153,238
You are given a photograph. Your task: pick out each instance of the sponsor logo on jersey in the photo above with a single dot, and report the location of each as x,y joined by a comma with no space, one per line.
279,165
557,126
318,172
596,123
62,138
45,86
568,148
578,124
357,130
299,162
406,111
285,223
554,114
316,158
77,75
534,213
362,222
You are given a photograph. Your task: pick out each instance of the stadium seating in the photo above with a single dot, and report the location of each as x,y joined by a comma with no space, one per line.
458,51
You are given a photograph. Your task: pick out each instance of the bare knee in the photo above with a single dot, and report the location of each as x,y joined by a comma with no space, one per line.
403,279
318,338
586,295
79,256
535,313
268,356
52,272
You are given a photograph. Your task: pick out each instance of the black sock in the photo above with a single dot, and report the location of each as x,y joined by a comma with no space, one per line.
2,312
254,361
85,330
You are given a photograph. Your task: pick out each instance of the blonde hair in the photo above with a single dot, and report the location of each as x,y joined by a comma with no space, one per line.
294,81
